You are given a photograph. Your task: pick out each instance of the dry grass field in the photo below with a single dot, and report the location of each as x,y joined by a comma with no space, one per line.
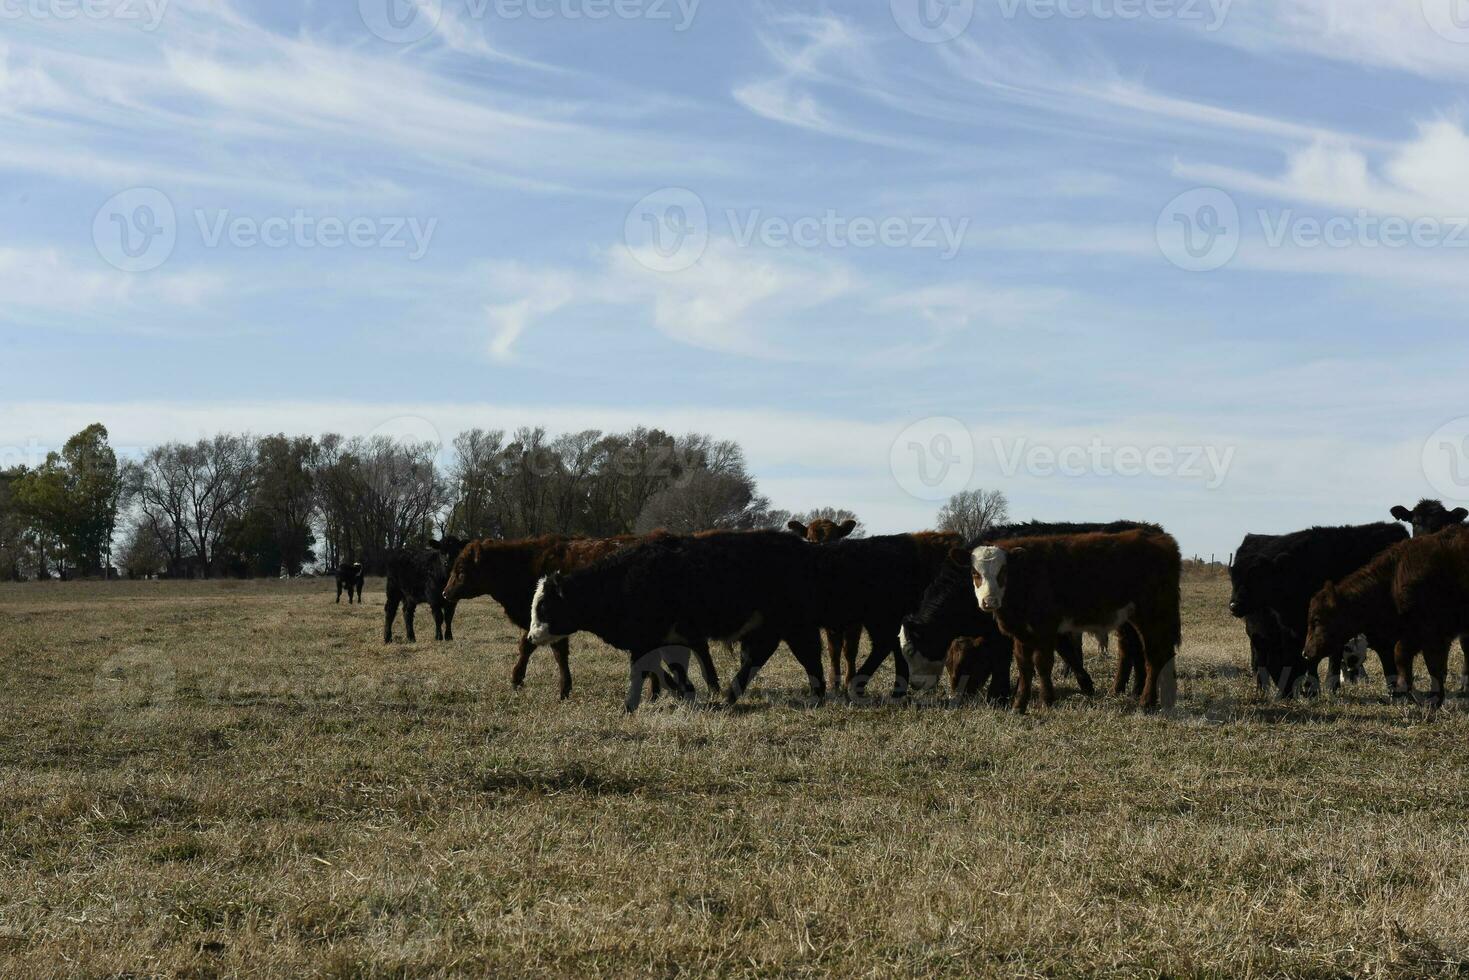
220,778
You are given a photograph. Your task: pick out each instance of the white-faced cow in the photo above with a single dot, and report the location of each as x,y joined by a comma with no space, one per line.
669,591
1038,589
949,612
508,571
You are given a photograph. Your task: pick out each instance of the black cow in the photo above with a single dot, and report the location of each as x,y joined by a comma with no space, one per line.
350,578
949,611
1273,578
669,591
419,575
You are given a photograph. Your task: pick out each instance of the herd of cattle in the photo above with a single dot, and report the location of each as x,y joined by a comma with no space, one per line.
1020,593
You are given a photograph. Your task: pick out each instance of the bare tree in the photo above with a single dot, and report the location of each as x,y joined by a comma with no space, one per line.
970,513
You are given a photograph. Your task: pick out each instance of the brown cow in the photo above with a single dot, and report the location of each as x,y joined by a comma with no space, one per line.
1416,593
1039,588
841,644
508,572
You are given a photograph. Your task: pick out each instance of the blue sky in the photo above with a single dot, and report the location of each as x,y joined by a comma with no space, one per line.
1085,230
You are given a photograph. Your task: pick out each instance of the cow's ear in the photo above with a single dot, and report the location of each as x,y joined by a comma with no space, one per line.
1402,513
554,582
959,557
798,527
1459,513
846,527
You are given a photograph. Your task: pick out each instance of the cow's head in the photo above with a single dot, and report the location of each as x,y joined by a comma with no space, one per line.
925,652
1253,580
549,619
823,531
1328,628
1429,516
461,571
990,567
448,546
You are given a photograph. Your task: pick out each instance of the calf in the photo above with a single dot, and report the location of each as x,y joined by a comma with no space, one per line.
1038,588
841,644
949,610
1431,517
1416,593
418,575
507,571
1272,580
669,591
350,577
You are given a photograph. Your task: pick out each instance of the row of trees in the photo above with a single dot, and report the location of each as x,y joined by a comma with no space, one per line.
240,505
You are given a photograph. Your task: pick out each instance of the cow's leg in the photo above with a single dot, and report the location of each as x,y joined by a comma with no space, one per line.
449,608
359,593
1045,663
998,660
1130,669
1403,654
1158,653
834,640
858,684
755,650
1389,665
1334,667
438,614
1068,645
409,606
900,662
1436,659
806,645
390,612
635,674
850,644
522,661
1026,663
339,595
706,664
561,650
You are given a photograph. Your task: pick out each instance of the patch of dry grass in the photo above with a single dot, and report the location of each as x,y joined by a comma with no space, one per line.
219,778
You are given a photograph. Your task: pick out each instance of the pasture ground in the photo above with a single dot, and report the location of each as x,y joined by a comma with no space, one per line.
217,778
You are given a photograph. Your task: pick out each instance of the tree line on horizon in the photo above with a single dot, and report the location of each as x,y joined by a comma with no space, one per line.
239,505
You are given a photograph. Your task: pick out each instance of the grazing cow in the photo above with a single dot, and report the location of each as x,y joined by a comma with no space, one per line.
949,610
418,575
507,571
350,577
1416,593
669,591
841,644
1272,579
1039,588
